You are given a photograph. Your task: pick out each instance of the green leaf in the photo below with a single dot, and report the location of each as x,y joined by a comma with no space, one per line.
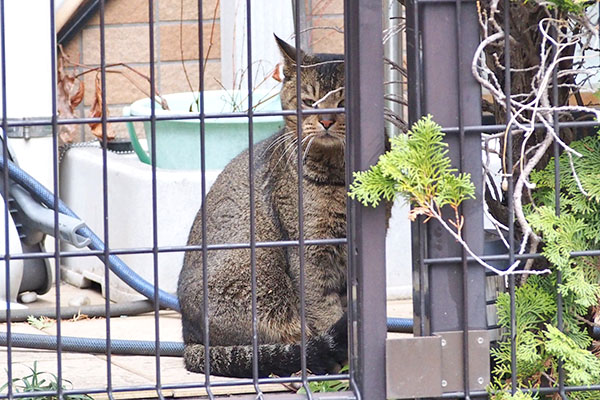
416,168
582,367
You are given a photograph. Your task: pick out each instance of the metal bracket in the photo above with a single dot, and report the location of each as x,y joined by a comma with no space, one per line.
413,367
429,366
452,360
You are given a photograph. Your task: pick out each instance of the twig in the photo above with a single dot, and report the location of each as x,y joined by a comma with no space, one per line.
163,101
512,270
322,99
313,28
586,321
212,32
187,76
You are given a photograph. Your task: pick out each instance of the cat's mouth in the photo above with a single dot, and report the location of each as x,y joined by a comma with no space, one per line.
323,141
326,139
327,136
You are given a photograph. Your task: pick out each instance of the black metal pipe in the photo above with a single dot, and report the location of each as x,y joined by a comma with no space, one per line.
366,228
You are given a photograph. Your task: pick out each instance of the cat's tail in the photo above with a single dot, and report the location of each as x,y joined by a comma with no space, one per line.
324,354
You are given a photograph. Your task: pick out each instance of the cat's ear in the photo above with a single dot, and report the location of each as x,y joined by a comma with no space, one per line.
289,56
288,51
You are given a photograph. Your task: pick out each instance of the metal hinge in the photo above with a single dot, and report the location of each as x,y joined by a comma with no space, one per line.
430,366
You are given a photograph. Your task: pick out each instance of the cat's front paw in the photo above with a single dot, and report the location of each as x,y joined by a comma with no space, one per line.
339,335
329,351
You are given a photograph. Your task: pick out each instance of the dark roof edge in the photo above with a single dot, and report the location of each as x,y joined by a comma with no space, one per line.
77,21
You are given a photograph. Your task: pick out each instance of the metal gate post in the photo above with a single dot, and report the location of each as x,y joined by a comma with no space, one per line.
366,233
441,69
442,38
437,61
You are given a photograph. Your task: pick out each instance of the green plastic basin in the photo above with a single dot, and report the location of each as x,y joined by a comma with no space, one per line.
178,141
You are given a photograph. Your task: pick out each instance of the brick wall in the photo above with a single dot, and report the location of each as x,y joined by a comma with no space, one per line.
127,41
326,24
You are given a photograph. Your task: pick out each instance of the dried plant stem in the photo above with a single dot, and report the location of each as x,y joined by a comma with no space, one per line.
163,102
531,109
212,32
185,72
512,270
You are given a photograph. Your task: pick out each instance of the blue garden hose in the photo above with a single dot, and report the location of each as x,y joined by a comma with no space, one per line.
401,325
94,346
130,347
115,264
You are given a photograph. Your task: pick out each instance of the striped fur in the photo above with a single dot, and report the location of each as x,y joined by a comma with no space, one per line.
228,312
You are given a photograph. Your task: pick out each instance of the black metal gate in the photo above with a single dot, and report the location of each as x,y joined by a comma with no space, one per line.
449,286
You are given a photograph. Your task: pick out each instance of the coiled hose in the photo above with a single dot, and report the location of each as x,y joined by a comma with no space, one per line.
95,346
116,265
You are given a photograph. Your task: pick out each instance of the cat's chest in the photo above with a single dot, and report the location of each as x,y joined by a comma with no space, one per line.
323,206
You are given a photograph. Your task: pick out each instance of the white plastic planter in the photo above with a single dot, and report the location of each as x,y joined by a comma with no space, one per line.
129,215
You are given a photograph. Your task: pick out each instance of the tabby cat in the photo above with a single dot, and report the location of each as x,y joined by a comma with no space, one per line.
276,219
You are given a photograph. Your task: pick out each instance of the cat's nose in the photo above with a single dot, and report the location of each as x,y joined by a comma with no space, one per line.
326,120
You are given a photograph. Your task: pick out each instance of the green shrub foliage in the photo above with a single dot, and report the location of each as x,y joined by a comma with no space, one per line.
576,227
416,168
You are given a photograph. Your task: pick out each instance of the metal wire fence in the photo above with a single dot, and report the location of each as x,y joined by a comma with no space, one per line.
366,280
449,286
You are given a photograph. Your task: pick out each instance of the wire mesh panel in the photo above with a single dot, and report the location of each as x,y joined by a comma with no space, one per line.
536,118
347,123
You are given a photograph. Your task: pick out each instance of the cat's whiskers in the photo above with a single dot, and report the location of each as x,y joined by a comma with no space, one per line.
304,139
284,137
309,133
289,149
310,137
310,142
288,141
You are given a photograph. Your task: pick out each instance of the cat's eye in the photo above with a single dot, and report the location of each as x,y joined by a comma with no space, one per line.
341,104
308,102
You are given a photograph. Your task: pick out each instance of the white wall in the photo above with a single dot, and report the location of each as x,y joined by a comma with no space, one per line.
268,18
29,79
28,52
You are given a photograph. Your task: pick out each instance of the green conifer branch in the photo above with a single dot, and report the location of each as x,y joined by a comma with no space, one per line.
577,227
418,169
